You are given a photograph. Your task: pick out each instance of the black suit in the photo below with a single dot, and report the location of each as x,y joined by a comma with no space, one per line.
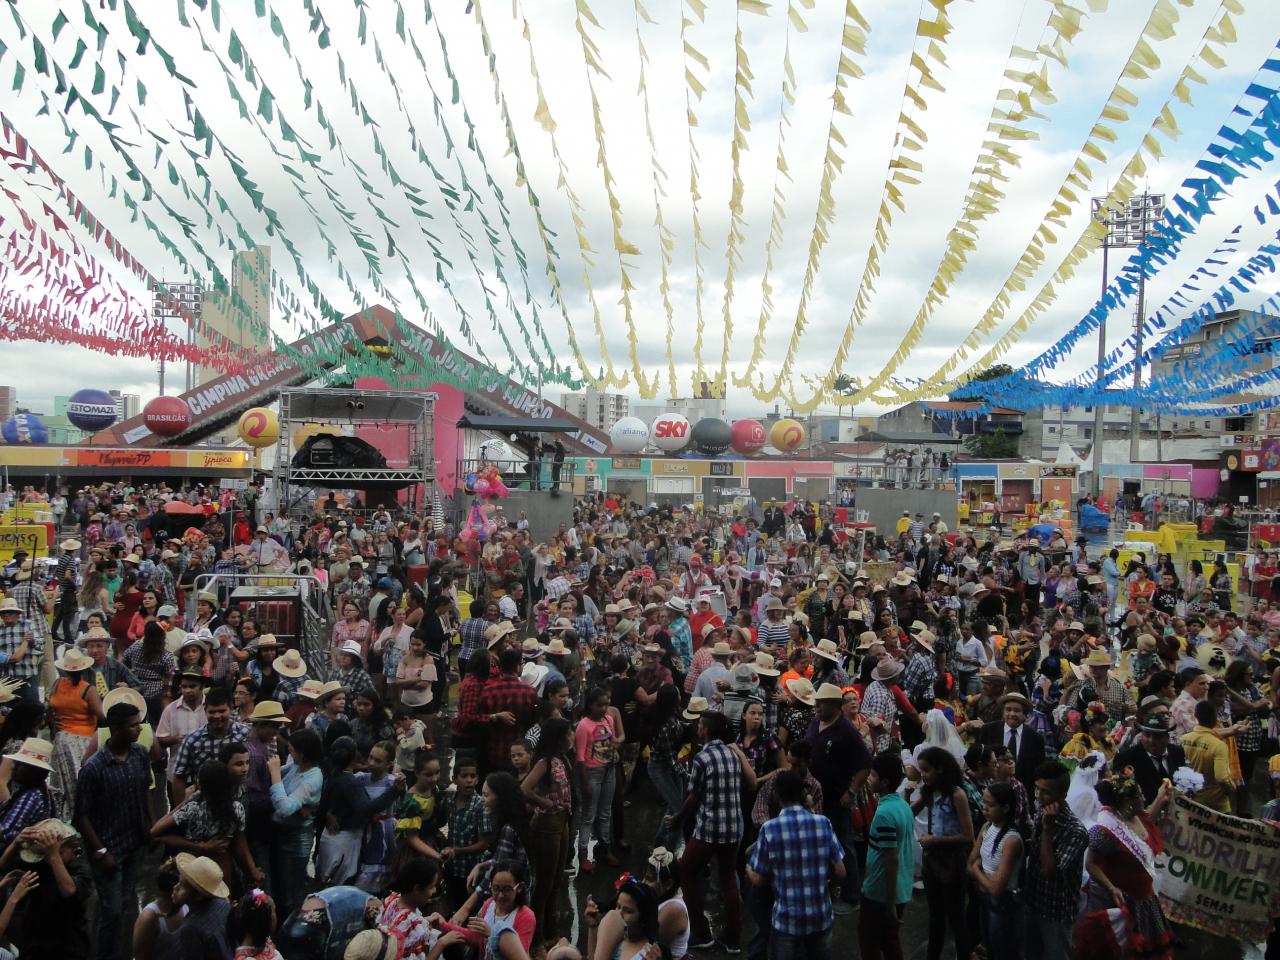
1144,768
1030,753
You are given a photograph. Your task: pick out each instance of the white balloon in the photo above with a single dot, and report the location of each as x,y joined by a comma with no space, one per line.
496,451
670,432
629,435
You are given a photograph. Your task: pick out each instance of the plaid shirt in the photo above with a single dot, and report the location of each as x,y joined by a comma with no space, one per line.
682,639
473,637
287,689
557,588
1057,898
11,638
30,597
585,627
112,794
467,823
505,693
198,748
878,701
919,677
164,584
469,717
25,806
716,780
795,850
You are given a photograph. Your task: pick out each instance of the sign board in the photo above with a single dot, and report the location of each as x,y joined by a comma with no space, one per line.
1218,872
33,538
626,463
1058,471
720,469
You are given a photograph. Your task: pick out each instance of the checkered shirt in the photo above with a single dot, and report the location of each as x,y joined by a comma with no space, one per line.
30,597
584,627
878,701
558,587
716,780
473,637
198,748
1057,898
112,794
682,639
467,823
504,694
919,677
10,639
795,850
164,584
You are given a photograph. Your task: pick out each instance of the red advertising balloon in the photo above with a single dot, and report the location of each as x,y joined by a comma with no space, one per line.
167,416
748,436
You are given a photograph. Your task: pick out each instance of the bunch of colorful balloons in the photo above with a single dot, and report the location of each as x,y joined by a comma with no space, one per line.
479,526
486,482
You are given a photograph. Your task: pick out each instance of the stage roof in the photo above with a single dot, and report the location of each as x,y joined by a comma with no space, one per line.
518,424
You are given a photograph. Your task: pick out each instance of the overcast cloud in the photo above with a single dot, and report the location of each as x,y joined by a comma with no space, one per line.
955,121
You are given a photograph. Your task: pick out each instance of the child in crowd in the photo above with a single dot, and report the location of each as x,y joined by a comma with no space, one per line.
411,736
470,832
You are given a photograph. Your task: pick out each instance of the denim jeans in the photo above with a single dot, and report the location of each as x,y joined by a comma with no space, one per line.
670,786
597,809
113,886
1046,939
809,946
1001,930
290,854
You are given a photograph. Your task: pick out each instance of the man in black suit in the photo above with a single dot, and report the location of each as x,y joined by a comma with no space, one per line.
1153,758
1012,732
775,520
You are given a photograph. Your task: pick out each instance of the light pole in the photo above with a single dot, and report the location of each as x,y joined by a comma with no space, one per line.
1127,226
178,300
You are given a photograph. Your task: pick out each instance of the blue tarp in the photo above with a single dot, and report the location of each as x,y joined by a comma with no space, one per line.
1091,518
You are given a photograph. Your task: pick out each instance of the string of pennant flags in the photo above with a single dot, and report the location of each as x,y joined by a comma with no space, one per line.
432,197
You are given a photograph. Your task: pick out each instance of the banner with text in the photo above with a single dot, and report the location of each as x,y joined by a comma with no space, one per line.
1218,872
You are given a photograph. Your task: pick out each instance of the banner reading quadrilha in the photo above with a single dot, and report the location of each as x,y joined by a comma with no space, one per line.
1219,873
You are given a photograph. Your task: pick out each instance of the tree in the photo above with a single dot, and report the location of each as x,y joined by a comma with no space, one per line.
843,385
970,392
992,446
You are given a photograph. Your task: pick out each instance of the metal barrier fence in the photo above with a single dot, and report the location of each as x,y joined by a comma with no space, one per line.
296,609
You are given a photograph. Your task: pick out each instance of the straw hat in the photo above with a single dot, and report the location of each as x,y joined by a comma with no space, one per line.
1016,697
376,944
829,691
774,604
194,640
24,572
802,690
499,630
1075,626
268,711
203,874
866,638
828,650
917,626
531,648
555,647
9,689
651,648
73,661
70,545
10,605
330,688
722,649
708,629
1098,658
925,639
311,689
266,640
886,669
560,624
765,665
31,854
209,598
1146,643
744,677
351,648
901,579
128,695
35,752
612,608
290,665
696,708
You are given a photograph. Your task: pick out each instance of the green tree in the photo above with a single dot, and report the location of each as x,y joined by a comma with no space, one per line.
843,384
991,373
992,446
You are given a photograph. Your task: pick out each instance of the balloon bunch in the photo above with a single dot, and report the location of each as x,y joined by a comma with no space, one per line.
479,526
486,482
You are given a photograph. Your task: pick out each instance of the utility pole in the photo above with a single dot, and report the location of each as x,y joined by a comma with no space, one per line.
1127,226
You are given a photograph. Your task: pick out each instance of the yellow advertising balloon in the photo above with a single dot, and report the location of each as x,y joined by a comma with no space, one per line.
786,435
259,427
309,430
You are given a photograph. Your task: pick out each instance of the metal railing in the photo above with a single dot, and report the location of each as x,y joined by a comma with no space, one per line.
525,475
295,608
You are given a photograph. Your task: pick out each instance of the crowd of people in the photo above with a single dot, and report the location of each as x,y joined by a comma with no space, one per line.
986,726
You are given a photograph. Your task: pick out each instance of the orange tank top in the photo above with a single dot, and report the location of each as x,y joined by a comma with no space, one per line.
70,710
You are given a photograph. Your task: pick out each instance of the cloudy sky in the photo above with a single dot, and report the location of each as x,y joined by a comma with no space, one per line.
155,132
